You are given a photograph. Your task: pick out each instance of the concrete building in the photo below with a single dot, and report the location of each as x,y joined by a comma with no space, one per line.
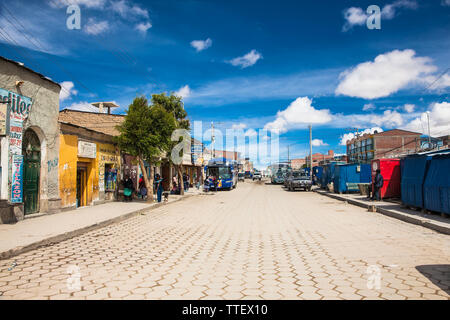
297,164
319,157
90,164
29,134
386,144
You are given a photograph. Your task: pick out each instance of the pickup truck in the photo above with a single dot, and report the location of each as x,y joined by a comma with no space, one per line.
298,180
257,176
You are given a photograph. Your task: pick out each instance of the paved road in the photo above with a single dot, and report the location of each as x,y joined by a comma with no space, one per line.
256,242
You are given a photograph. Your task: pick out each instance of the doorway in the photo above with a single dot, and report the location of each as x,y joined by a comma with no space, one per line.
31,149
81,184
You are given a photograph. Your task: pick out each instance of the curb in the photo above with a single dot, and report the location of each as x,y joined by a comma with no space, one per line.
426,223
71,234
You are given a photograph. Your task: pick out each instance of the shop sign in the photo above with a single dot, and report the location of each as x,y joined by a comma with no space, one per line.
17,110
87,149
3,117
17,179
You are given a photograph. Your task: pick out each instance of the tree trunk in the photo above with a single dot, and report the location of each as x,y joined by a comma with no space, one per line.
148,181
180,177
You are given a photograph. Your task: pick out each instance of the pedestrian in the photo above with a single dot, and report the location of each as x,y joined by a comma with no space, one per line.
174,186
142,188
128,189
377,185
159,187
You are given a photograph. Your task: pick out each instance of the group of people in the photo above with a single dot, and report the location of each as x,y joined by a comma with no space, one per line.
210,183
185,181
129,190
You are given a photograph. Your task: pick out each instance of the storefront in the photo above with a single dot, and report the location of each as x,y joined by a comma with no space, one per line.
29,106
89,167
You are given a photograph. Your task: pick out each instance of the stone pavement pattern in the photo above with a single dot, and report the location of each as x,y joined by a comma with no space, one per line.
256,242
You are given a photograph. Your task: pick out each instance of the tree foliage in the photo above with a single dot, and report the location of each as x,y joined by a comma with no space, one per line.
174,105
145,133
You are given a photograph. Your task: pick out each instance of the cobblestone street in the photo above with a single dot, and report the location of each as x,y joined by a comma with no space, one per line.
256,242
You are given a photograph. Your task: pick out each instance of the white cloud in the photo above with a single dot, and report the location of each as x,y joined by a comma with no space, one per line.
318,143
439,120
445,3
128,10
389,119
246,60
92,4
299,113
349,136
369,107
409,107
67,90
201,45
357,17
94,28
83,106
387,74
354,17
239,126
143,27
251,133
438,83
183,92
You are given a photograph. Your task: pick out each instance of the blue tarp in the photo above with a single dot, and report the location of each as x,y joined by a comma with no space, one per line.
436,188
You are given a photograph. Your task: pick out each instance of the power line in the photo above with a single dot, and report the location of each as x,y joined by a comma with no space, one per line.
39,45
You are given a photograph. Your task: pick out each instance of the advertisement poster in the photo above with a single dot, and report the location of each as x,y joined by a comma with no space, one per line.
19,107
17,179
3,117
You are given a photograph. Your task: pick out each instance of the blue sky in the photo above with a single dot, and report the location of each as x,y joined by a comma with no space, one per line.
254,64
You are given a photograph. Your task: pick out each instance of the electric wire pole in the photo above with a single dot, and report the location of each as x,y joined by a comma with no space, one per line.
310,151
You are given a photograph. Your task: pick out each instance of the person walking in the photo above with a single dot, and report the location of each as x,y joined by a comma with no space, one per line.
142,188
128,189
159,187
378,184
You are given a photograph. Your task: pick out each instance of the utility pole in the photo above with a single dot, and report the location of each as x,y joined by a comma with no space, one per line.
289,161
310,151
429,132
213,139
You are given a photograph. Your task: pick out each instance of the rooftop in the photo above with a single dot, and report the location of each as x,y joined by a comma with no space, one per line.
21,65
99,122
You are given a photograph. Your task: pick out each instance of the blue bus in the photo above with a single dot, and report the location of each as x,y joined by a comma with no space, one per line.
225,172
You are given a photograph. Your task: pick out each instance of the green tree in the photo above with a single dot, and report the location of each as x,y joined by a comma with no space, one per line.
145,133
174,105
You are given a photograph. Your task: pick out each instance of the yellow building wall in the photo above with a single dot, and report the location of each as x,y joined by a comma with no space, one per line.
68,169
68,162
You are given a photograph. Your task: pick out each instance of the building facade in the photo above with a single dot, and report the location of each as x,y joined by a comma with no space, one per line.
29,134
89,167
386,144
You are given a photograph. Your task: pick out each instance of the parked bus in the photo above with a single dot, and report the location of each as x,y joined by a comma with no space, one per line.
224,171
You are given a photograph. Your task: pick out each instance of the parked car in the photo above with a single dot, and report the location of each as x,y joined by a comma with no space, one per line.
241,176
298,180
277,178
257,176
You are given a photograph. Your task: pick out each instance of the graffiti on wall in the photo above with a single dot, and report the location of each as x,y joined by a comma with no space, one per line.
52,164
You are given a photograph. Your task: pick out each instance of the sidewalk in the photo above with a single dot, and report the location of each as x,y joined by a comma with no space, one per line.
34,232
394,210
